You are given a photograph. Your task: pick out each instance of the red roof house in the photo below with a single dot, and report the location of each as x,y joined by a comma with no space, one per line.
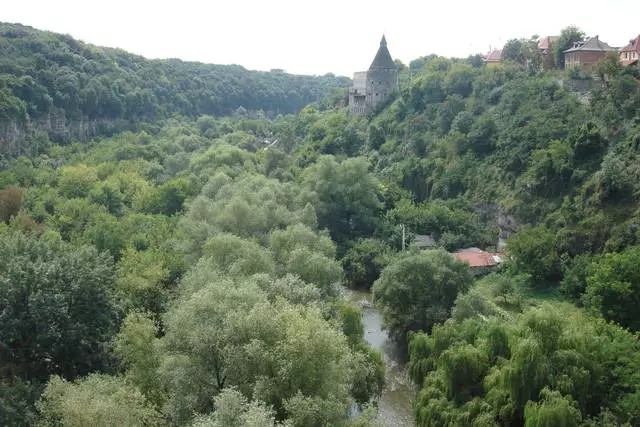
545,43
630,54
493,58
479,261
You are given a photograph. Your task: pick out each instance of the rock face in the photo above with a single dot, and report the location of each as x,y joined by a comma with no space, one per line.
58,127
506,224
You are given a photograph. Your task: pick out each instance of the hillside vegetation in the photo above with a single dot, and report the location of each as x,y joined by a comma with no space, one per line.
45,75
187,274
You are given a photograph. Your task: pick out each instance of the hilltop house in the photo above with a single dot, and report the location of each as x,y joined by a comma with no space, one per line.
493,58
630,54
373,87
545,45
586,54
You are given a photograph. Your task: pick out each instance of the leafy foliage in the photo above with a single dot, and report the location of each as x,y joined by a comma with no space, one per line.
215,240
417,291
546,369
44,74
57,308
613,287
99,400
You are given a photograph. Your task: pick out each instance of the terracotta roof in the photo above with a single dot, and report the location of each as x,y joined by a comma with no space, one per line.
592,45
383,57
633,46
493,56
545,42
478,259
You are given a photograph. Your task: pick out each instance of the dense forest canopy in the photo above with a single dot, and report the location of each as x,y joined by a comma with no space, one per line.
190,273
43,73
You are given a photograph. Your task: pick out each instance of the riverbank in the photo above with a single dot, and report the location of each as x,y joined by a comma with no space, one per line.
395,402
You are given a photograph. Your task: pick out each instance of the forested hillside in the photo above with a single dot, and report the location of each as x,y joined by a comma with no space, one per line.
74,90
189,274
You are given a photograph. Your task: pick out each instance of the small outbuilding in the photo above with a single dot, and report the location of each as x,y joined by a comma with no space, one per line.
479,261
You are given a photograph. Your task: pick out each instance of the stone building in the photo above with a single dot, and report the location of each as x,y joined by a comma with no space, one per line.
585,55
373,87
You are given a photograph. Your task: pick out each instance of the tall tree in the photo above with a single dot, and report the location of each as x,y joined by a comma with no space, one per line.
417,291
514,50
56,307
345,195
568,36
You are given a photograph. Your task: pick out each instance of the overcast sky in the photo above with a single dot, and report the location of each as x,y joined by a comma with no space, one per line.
339,36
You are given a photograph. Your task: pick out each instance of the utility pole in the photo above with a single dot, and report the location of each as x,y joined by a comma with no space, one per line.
402,237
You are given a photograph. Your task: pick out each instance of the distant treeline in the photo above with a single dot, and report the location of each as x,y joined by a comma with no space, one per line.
42,72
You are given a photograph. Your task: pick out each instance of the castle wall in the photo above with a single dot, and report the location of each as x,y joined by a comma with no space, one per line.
360,80
357,93
381,83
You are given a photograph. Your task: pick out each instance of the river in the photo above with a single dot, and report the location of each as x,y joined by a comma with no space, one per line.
395,403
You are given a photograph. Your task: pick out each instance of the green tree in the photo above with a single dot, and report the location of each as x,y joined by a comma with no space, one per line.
613,287
139,350
417,291
568,36
463,368
77,181
234,410
364,261
514,50
534,252
553,410
232,255
108,195
143,279
97,400
345,196
227,335
11,199
56,307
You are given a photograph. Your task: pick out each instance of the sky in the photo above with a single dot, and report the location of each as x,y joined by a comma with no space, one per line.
302,37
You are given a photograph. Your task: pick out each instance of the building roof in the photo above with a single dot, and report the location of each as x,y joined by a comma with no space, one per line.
383,57
594,44
424,241
493,56
633,46
545,42
477,258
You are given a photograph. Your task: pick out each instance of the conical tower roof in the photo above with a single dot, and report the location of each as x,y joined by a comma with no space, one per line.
383,57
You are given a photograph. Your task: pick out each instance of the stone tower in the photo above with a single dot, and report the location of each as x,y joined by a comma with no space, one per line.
373,87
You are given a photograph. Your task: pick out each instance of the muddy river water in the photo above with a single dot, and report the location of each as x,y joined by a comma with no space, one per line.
395,403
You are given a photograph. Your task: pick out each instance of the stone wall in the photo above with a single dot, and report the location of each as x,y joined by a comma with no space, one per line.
381,84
